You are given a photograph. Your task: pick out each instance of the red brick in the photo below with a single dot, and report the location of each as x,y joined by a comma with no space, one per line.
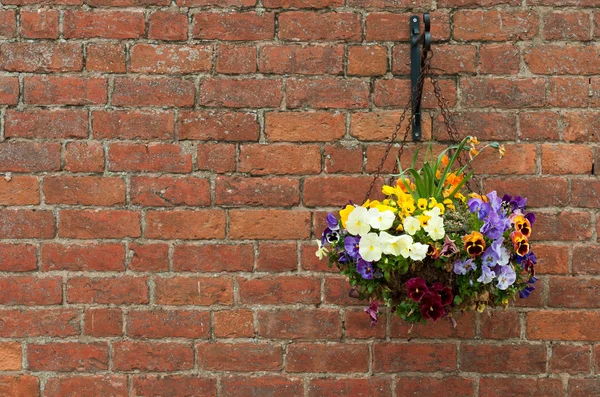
103,257
336,292
573,292
421,357
560,25
367,60
245,93
302,3
85,190
300,324
269,224
277,257
585,260
167,25
17,257
499,59
373,387
151,157
22,323
542,125
133,125
46,123
213,258
566,159
19,190
494,25
327,92
101,322
23,223
90,224
149,257
563,325
540,192
559,59
568,92
168,324
275,192
304,127
203,291
216,157
166,91
233,324
267,385
295,59
152,356
309,260
239,357
126,3
520,159
91,385
246,26
27,156
377,125
508,387
342,158
503,93
8,23
170,58
443,328
327,358
41,57
551,259
563,226
216,3
121,291
218,126
448,59
570,359
485,126
11,356
483,3
185,224
105,57
280,290
312,26
65,90
176,385
580,126
39,24
9,90
87,156
260,159
357,325
500,325
430,387
166,191
19,385
335,191
30,291
395,93
584,387
104,24
68,357
393,27
236,59
521,359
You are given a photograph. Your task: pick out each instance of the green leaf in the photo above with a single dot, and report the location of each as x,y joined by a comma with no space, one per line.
457,300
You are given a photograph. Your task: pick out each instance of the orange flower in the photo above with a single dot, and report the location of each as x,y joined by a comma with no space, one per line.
445,160
520,243
474,243
523,225
453,180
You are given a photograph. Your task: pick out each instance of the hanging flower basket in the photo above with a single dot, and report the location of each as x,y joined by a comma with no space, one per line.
434,247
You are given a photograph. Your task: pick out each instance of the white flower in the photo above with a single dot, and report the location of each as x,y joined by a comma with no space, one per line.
435,228
381,220
411,225
434,212
357,223
395,245
403,244
369,247
504,257
322,251
418,251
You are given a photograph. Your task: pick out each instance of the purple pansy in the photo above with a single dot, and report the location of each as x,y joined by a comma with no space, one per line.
494,225
372,311
332,222
480,207
464,266
506,277
365,269
494,200
487,275
449,247
351,246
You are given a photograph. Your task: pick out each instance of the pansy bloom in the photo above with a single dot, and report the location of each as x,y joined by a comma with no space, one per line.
416,288
431,306
474,243
522,225
520,242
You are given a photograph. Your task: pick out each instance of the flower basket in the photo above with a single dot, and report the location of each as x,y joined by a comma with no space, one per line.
433,247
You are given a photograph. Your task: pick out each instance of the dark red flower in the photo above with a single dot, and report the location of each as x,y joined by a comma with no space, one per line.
445,293
416,288
431,306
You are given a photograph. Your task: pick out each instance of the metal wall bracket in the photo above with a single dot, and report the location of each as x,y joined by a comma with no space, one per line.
417,63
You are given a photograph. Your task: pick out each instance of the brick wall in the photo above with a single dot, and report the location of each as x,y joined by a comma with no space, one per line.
165,164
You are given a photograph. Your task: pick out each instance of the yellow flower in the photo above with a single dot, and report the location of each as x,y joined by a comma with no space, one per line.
473,141
345,213
502,151
408,208
371,204
383,208
423,219
449,205
473,152
422,204
480,307
432,202
441,207
445,160
460,197
400,228
438,174
388,190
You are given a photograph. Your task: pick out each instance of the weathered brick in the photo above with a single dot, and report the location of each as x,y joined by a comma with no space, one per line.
19,190
302,3
23,323
151,157
233,324
280,289
585,260
327,92
396,92
28,156
304,127
9,90
342,158
300,324
167,25
149,257
89,224
236,59
499,59
397,357
216,157
312,26
166,91
521,359
448,59
106,57
567,25
170,58
442,328
240,386
46,123
494,25
507,387
240,93
233,26
179,385
327,358
277,257
124,290
269,224
17,257
92,385
19,385
573,292
166,191
562,226
239,357
584,387
125,124
41,57
213,258
85,156
374,387
563,325
104,24
204,291
503,93
158,324
85,190
89,257
24,223
570,359
384,26
185,224
557,59
500,325
260,159
64,90
336,191
569,92
520,159
542,125
39,24
428,386
295,59
101,322
566,159
68,357
11,356
271,192
218,126
8,24
152,356
540,192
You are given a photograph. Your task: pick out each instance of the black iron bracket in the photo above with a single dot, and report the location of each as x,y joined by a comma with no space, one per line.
417,64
